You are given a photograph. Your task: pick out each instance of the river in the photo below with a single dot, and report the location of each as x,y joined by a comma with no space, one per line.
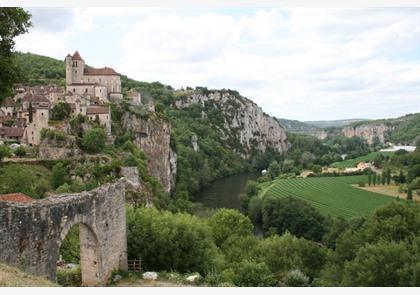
225,192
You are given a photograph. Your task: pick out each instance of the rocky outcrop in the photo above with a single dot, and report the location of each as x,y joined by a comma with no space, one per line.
53,149
152,135
135,193
245,127
368,132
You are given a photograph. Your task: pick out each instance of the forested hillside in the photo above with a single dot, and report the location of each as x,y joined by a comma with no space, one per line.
213,157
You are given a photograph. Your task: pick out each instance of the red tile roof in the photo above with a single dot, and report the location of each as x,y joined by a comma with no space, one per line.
11,131
76,56
100,72
94,110
16,197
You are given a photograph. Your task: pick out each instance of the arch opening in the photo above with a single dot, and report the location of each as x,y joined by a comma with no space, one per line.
78,261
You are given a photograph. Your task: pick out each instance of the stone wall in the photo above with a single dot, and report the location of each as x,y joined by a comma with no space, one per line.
31,233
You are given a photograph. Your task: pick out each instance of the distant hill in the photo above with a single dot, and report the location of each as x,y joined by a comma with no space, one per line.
333,123
296,126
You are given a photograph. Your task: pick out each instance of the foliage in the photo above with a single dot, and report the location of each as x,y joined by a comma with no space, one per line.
59,174
20,151
253,274
4,151
14,21
32,180
93,141
367,158
60,111
164,241
70,247
293,215
53,134
69,277
227,222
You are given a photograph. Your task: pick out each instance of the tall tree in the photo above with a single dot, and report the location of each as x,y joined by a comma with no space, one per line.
383,178
30,111
13,22
388,176
370,179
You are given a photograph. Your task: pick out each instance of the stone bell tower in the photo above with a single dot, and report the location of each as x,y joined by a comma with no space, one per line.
74,69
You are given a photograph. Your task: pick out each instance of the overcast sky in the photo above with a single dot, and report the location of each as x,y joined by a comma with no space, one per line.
303,64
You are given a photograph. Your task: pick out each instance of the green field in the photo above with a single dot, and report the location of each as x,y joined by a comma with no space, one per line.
353,162
330,195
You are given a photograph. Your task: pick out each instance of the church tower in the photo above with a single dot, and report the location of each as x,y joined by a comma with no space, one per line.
74,69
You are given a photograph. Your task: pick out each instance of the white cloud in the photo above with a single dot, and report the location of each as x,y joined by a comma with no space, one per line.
296,63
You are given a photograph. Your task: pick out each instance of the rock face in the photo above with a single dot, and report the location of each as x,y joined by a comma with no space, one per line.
368,132
245,126
59,150
152,135
135,193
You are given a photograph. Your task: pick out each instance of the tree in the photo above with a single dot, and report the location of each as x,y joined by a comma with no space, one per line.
374,179
293,215
370,179
166,241
253,274
4,151
30,111
379,265
254,210
20,151
227,222
401,177
388,176
378,179
383,178
410,194
61,111
59,174
93,141
13,22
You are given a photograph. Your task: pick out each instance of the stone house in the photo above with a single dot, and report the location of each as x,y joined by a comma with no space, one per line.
101,113
32,134
11,134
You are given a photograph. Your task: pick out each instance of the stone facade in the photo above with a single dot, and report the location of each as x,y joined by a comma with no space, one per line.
31,233
103,83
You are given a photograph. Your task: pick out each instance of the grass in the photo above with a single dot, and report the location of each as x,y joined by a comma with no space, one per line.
13,277
330,195
353,162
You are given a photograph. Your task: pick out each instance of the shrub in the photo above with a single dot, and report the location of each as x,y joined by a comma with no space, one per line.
295,278
293,215
4,151
166,241
69,277
20,151
52,134
59,174
93,141
253,274
228,222
60,111
362,184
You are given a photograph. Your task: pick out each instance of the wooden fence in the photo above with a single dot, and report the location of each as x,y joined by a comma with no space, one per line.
134,265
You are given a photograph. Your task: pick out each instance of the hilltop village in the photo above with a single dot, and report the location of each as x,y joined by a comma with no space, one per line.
88,92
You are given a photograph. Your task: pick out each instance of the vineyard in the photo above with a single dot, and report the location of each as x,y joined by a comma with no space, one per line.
330,195
353,162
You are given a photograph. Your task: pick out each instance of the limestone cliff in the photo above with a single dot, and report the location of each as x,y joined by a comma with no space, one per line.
245,127
369,131
152,135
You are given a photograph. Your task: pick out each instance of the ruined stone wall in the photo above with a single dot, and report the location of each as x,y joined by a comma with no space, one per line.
31,233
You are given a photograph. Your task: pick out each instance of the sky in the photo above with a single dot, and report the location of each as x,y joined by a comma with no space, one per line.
296,63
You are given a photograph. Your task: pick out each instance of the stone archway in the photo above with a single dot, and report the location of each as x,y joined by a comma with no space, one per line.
31,233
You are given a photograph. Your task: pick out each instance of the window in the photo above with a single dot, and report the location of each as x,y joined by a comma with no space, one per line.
86,90
74,89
